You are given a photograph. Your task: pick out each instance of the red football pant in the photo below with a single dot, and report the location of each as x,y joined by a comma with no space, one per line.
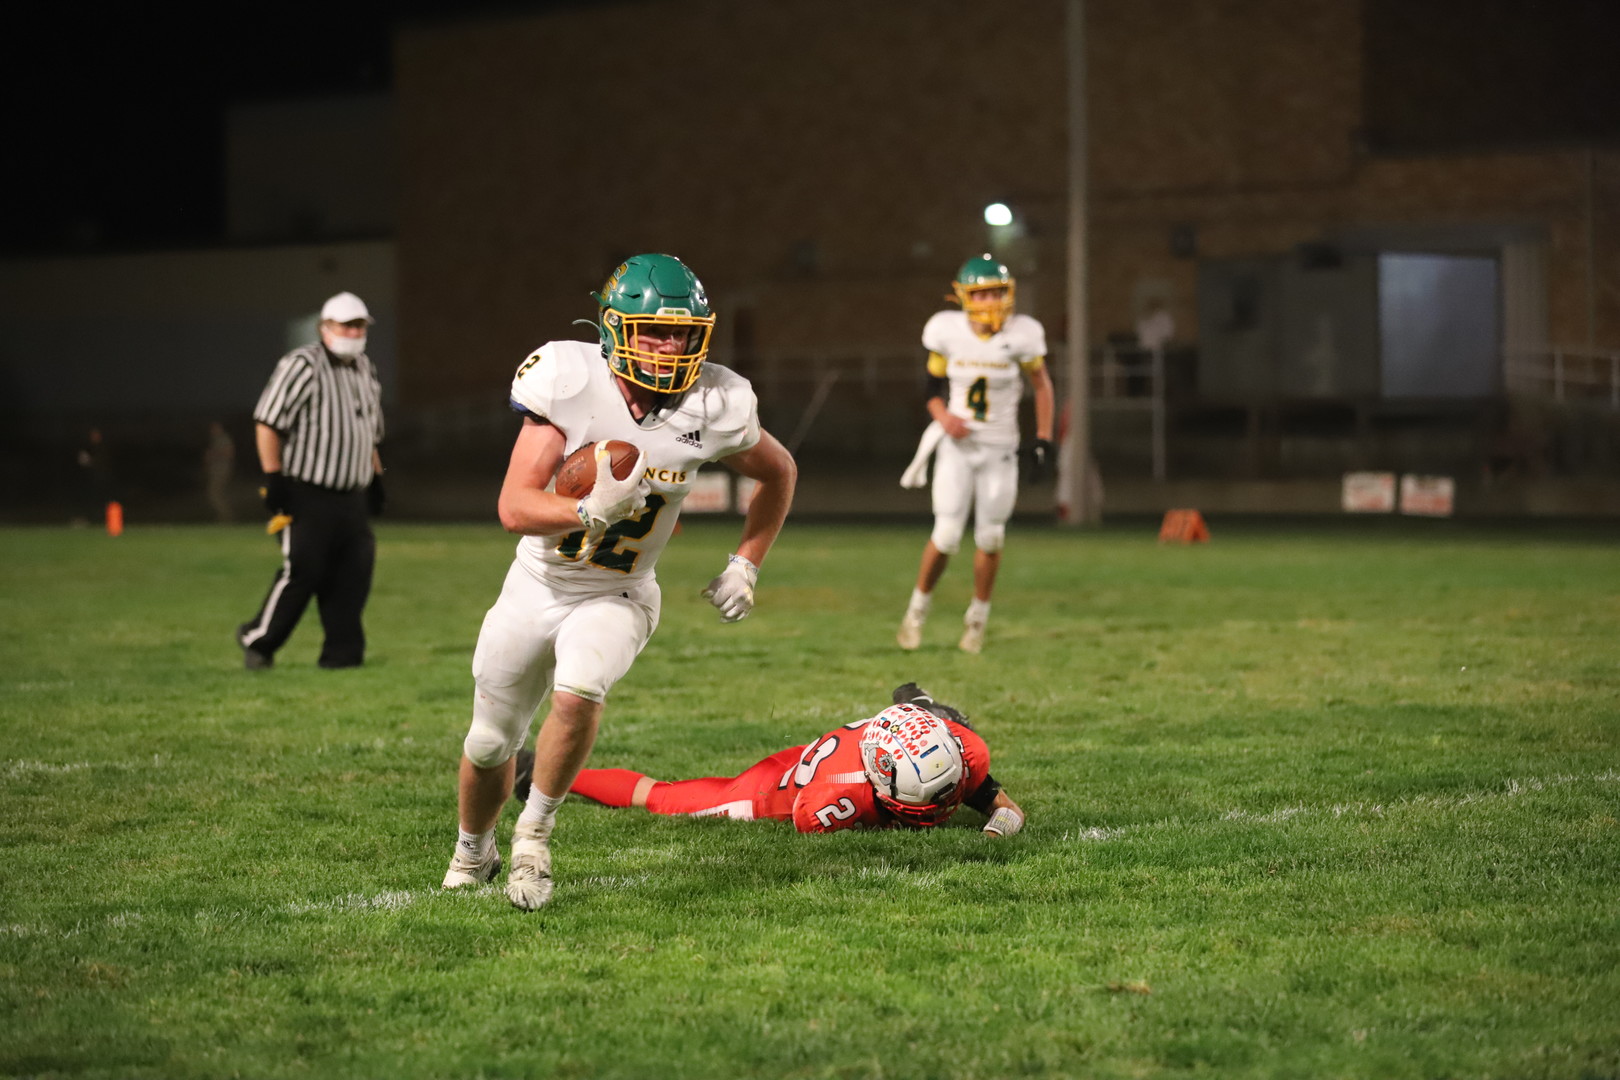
610,787
727,796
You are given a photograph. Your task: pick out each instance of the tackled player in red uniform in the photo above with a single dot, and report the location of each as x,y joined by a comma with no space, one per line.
913,764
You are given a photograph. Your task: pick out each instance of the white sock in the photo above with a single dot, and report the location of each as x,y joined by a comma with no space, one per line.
920,603
978,611
475,845
540,812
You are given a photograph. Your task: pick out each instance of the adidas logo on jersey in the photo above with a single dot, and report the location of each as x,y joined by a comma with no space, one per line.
691,438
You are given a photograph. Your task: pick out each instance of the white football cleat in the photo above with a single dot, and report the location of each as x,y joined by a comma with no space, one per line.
910,635
528,886
972,637
465,870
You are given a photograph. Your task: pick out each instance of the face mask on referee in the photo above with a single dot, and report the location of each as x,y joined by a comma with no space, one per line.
346,340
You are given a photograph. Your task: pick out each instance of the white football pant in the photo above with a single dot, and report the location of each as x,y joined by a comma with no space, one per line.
970,477
537,638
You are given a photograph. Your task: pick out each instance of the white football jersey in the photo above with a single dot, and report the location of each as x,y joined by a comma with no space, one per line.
569,384
985,374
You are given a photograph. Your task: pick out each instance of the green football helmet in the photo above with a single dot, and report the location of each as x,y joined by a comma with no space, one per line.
654,297
984,288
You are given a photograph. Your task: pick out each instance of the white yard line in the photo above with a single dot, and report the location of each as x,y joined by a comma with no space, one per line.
1511,788
383,901
399,899
12,770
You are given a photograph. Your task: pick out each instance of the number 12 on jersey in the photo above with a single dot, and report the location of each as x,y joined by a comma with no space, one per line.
612,552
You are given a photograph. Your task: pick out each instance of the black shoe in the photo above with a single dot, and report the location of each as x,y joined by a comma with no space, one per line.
252,659
525,776
912,694
337,665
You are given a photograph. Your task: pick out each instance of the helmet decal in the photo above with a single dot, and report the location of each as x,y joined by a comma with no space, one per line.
885,765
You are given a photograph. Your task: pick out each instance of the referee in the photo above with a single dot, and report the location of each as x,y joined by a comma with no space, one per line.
317,427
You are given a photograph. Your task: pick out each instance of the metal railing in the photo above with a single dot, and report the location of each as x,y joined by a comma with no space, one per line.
1562,374
1117,374
857,400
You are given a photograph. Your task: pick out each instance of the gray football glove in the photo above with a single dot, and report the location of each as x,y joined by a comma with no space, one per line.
611,500
733,591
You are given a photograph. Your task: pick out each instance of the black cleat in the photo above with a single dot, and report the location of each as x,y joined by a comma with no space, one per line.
912,694
524,777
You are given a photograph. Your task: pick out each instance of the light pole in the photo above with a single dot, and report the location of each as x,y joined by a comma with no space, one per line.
1077,446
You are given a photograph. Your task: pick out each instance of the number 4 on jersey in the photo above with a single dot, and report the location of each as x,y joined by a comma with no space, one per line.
978,398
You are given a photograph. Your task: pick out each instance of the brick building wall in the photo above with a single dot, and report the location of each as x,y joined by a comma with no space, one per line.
826,162
822,165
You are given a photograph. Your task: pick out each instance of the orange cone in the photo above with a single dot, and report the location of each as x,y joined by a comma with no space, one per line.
115,519
1183,527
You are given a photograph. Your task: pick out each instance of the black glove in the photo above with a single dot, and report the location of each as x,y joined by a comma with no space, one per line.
277,493
376,497
1042,458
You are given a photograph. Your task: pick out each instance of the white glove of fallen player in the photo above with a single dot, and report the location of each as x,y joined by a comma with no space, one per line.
1004,822
612,500
733,591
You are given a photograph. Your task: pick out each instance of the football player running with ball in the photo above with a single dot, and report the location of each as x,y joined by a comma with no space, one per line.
911,765
978,358
580,600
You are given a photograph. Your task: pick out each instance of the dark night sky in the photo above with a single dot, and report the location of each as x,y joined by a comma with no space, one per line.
114,121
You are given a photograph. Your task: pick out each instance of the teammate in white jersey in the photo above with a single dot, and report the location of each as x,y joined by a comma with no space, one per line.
978,358
580,600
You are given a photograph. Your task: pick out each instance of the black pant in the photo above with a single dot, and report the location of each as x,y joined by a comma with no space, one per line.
328,553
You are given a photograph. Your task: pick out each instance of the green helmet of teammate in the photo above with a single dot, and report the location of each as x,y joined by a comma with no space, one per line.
648,301
984,288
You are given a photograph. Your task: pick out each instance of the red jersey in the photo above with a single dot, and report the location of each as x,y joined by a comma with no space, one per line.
827,789
820,787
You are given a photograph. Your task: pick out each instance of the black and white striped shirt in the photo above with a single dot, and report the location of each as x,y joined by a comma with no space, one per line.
329,415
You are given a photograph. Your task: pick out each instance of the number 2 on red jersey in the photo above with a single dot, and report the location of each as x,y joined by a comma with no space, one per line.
842,810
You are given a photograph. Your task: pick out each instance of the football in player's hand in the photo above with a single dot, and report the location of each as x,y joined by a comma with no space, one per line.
577,475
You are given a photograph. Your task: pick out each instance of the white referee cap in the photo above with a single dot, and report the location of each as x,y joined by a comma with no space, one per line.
345,307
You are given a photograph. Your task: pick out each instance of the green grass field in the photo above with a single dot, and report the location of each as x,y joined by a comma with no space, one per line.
1336,800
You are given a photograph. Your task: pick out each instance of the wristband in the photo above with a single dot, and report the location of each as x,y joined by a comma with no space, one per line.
584,514
1004,822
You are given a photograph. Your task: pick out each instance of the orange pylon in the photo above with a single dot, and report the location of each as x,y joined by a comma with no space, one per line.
115,518
1183,527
